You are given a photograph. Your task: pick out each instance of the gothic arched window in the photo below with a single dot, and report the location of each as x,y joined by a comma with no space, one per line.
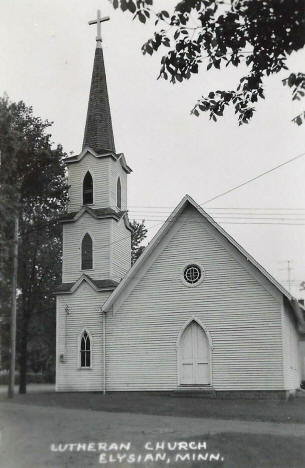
85,350
119,194
87,252
88,189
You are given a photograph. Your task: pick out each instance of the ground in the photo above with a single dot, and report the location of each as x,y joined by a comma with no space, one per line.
255,434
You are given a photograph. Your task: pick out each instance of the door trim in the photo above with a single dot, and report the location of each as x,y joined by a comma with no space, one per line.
178,347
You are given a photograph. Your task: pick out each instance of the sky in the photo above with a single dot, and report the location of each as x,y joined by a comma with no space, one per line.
46,60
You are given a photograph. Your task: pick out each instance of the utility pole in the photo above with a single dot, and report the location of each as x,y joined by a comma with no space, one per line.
288,269
11,384
289,275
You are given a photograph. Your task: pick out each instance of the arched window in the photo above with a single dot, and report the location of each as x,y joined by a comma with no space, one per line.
87,253
119,194
88,189
85,350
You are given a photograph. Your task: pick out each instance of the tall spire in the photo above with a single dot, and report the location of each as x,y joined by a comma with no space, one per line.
98,132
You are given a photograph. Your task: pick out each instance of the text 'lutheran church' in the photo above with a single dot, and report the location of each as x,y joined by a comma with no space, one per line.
195,312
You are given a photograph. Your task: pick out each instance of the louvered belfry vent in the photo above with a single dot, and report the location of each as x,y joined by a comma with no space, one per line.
98,132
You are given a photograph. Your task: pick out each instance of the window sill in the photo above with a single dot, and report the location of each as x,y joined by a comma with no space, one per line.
84,368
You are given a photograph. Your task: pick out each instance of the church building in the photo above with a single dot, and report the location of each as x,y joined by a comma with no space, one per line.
195,312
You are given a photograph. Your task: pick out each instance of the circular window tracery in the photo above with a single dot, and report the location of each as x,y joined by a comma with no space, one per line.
192,274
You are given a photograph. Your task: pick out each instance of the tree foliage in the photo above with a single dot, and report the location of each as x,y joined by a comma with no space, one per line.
200,35
138,234
32,185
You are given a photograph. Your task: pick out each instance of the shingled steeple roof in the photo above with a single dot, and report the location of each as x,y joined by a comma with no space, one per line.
98,132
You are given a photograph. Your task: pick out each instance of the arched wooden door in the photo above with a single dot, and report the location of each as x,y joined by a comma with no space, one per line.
194,356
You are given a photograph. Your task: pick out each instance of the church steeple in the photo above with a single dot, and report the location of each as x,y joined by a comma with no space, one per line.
96,230
98,131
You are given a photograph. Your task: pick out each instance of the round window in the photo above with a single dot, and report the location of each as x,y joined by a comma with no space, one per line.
192,274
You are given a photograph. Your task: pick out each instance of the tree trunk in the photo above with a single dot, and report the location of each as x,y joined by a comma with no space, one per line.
23,352
11,386
28,301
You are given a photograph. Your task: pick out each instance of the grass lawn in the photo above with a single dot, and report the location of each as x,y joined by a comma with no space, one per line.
164,405
27,432
252,451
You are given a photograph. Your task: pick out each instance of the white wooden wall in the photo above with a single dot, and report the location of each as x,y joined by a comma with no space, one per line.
100,231
120,250
291,351
302,358
105,172
100,171
241,315
84,312
111,248
116,171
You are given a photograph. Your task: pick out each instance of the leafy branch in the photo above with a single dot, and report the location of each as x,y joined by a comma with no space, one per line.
261,35
296,81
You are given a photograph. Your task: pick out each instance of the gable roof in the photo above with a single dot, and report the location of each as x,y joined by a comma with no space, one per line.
99,154
97,285
187,200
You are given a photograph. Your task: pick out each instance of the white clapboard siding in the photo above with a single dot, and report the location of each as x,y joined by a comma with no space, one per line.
120,250
117,171
291,351
100,231
100,171
84,313
302,358
240,314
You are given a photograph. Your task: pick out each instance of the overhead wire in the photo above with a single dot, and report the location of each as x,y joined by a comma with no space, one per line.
225,193
262,174
298,156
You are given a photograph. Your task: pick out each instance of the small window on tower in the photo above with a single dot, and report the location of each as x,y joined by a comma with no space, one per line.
119,194
88,189
87,253
85,350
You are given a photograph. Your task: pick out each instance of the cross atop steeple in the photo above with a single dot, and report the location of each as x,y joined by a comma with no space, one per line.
98,21
98,132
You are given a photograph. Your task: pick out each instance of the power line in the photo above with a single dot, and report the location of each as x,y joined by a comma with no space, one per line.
254,178
257,209
269,224
242,223
222,212
136,208
291,211
298,156
220,195
228,214
233,216
220,219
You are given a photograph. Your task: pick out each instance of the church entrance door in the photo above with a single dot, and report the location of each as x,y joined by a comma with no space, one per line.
194,356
